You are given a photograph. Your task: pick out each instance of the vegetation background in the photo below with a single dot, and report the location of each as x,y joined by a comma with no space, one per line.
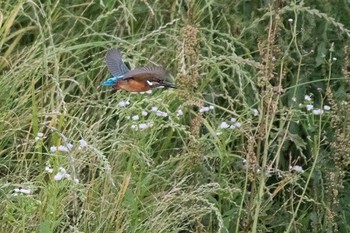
254,139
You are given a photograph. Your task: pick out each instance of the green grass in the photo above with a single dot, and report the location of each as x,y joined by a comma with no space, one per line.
254,62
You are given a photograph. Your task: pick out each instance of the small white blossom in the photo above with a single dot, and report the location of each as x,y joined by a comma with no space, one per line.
154,109
145,125
309,107
22,190
255,112
144,113
83,143
63,148
133,126
334,58
294,99
290,20
25,191
135,117
53,149
123,103
61,174
211,107
76,181
307,98
204,109
39,136
237,124
326,108
297,168
218,133
48,169
317,111
179,112
232,126
162,114
233,119
224,125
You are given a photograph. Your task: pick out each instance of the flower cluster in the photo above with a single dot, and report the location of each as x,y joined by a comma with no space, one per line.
232,124
20,190
68,147
206,108
61,174
310,107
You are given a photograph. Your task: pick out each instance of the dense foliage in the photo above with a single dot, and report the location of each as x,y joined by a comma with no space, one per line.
255,138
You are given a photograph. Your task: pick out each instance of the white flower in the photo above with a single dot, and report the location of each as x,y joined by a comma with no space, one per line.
297,168
61,174
317,111
224,125
123,103
290,20
48,169
39,136
25,191
204,109
179,112
53,149
162,114
334,58
294,99
83,143
135,117
309,107
154,109
326,108
145,125
237,124
307,98
233,119
63,148
144,113
133,126
255,112
211,107
22,190
218,133
76,181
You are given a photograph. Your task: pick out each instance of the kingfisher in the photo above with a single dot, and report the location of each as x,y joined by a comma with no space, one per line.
138,80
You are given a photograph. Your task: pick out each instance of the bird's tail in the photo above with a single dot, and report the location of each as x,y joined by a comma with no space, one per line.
165,84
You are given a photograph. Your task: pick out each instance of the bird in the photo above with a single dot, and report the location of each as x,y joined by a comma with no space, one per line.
137,80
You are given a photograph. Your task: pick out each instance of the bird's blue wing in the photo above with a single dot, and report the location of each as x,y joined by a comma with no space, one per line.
115,63
112,81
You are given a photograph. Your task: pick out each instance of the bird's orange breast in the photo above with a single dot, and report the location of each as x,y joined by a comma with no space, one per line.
133,85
